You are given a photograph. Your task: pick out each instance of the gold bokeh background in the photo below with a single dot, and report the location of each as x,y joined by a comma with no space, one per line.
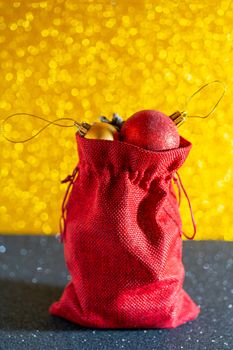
83,59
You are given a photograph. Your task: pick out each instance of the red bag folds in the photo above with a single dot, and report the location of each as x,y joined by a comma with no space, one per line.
122,239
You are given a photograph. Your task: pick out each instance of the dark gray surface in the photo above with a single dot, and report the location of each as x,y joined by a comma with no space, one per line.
33,274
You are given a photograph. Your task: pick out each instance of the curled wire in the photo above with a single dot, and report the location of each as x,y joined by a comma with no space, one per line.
54,122
197,91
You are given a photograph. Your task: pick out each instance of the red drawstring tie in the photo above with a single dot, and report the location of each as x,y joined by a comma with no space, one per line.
71,179
180,187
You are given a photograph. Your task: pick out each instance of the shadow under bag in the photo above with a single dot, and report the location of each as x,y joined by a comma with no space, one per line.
122,239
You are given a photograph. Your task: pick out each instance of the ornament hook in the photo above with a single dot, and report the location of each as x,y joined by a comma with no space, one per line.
180,117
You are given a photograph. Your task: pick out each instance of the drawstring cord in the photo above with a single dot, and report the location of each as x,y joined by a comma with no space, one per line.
70,179
180,187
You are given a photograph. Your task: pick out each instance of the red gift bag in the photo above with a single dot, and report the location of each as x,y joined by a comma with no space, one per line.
122,239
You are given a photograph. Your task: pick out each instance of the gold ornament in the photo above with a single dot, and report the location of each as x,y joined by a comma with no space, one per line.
103,131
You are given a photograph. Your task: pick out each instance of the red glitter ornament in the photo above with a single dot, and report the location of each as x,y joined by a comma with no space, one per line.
150,130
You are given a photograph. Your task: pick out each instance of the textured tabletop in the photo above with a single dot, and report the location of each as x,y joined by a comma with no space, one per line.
33,274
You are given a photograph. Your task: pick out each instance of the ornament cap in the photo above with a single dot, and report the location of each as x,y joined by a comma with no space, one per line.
178,117
82,128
